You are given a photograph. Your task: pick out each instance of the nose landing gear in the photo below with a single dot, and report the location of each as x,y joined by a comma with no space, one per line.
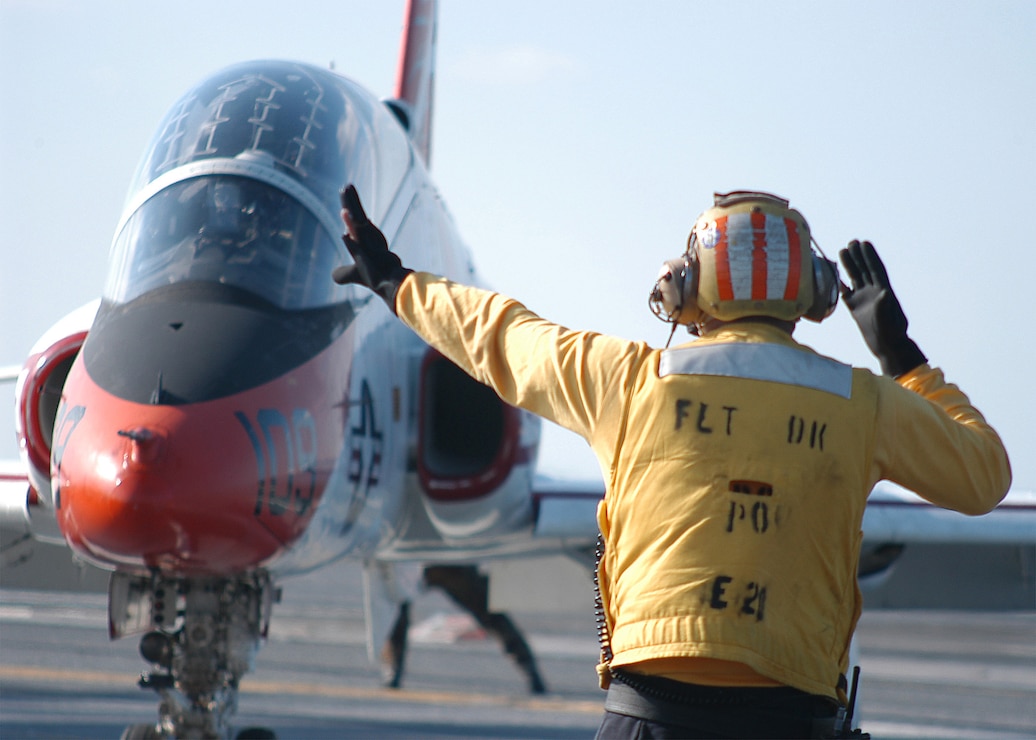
201,637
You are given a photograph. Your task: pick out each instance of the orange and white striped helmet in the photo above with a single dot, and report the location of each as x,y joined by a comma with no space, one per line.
754,258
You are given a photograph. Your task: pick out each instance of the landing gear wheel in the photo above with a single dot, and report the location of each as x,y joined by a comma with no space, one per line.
213,626
142,732
256,733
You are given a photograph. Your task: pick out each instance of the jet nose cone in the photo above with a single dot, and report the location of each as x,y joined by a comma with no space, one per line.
174,492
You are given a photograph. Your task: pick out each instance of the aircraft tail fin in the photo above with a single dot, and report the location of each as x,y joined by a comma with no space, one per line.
415,76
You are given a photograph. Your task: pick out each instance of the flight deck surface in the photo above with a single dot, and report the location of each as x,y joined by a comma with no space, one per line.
946,674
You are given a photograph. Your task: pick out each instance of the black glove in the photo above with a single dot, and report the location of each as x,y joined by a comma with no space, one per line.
877,311
374,267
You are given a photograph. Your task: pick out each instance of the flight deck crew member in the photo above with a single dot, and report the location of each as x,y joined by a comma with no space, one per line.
737,466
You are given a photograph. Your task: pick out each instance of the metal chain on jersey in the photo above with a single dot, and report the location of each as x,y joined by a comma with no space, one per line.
603,635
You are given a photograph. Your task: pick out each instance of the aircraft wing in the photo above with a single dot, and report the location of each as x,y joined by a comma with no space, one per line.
15,534
896,515
568,510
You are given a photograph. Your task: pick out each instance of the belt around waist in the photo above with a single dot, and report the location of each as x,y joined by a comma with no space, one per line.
719,708
681,693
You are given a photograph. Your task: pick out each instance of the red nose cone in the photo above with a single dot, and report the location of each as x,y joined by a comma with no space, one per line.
154,486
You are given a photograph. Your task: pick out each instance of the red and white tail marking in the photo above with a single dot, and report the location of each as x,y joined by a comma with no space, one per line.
415,77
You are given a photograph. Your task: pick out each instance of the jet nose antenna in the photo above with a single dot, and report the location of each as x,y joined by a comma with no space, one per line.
145,445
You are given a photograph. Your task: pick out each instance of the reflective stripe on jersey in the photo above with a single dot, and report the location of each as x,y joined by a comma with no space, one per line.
770,362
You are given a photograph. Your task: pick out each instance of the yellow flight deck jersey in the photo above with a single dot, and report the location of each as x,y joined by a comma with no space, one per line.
737,468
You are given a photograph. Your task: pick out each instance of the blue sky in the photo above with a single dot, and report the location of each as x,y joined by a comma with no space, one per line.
576,143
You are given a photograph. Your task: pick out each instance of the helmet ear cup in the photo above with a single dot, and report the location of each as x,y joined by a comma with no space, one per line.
668,296
690,313
825,289
675,297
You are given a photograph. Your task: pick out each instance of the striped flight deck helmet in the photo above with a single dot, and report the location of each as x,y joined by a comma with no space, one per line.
748,255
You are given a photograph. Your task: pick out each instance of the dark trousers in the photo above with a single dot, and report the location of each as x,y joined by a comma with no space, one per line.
658,708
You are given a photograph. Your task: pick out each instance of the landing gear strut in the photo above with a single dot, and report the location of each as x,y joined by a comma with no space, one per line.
201,637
